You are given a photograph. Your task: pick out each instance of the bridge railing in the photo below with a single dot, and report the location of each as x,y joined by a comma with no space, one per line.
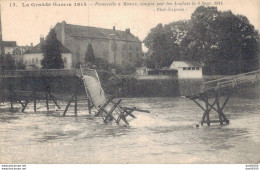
231,81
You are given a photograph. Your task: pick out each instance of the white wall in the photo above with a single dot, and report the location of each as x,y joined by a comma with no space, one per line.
36,58
189,73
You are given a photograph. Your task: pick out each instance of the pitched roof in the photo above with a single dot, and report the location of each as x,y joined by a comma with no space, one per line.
94,32
38,49
9,43
187,63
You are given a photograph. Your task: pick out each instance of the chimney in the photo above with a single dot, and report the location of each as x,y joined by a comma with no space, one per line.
1,39
63,24
42,40
114,28
127,30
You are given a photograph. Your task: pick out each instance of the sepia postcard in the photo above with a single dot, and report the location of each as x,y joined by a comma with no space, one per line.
129,82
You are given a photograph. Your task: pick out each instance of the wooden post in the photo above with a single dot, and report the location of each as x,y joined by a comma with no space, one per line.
207,108
218,109
100,110
10,95
46,97
66,109
89,108
34,97
25,105
109,114
34,101
76,97
76,103
203,117
220,112
53,99
11,100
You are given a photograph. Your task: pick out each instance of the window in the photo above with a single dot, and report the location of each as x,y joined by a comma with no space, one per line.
65,60
193,68
197,68
189,68
184,68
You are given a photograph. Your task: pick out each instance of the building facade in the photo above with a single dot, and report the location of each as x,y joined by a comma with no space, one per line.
187,69
34,56
117,47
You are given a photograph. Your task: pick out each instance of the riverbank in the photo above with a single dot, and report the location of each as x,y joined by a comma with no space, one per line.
117,85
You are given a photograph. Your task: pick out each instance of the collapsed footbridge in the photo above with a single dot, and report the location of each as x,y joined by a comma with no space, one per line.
24,87
224,88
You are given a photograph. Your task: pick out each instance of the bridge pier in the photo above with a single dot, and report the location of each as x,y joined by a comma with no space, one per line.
215,105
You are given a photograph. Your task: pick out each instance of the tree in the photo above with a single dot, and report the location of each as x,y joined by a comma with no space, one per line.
52,55
8,62
163,43
102,64
89,55
20,65
224,42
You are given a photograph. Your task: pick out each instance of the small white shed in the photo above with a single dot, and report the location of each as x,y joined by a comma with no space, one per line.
187,69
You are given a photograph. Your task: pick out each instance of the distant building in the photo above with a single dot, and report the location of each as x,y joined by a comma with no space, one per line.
141,71
117,47
187,69
15,51
35,55
10,47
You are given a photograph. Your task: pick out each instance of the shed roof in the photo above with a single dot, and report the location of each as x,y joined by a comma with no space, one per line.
186,64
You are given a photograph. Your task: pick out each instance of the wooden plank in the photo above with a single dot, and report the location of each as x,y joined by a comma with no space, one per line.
66,109
129,112
198,104
109,114
220,112
53,99
76,103
89,107
226,101
136,109
214,121
100,110
25,105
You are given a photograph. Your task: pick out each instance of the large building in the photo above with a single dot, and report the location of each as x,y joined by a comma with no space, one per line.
34,56
117,47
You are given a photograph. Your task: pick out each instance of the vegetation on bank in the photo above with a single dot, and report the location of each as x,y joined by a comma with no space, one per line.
52,55
223,42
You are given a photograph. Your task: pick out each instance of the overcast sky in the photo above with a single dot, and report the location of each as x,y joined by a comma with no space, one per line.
26,24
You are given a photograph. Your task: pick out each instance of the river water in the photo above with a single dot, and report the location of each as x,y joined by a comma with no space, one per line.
166,135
